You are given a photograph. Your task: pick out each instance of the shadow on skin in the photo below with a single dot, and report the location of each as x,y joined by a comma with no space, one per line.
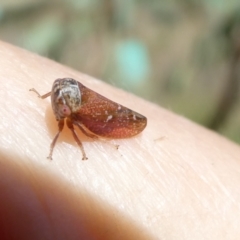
38,204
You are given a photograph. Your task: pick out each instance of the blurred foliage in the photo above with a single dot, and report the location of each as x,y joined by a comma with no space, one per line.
181,54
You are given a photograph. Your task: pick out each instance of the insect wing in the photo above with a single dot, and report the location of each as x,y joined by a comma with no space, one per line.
106,118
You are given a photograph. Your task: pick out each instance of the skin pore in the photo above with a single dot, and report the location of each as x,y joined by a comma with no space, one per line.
176,180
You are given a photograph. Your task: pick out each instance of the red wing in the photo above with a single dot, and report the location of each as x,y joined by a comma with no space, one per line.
106,118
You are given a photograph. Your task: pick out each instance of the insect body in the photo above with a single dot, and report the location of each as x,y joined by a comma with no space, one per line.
95,115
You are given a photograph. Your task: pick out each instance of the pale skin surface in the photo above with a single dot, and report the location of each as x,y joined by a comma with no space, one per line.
176,180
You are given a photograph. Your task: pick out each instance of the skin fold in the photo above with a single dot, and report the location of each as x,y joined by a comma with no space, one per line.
176,180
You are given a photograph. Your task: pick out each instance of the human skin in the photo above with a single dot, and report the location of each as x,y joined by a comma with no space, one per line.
175,180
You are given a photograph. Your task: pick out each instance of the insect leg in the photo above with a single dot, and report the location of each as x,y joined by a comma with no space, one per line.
90,135
60,128
40,96
70,126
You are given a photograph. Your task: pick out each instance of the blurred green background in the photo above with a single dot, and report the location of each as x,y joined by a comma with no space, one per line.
181,54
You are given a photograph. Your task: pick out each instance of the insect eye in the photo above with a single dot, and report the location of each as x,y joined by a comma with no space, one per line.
65,110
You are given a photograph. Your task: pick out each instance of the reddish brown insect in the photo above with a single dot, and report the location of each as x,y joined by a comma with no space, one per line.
95,115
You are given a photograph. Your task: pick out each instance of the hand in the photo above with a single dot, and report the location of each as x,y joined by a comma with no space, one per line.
176,180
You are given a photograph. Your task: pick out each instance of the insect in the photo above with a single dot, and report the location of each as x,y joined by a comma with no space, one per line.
95,115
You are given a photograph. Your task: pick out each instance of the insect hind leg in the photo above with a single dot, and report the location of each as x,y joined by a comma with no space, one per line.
90,135
93,136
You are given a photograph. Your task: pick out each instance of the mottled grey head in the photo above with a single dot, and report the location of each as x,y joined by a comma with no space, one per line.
65,97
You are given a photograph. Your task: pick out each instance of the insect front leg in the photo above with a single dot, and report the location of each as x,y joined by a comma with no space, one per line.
40,96
70,126
60,128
